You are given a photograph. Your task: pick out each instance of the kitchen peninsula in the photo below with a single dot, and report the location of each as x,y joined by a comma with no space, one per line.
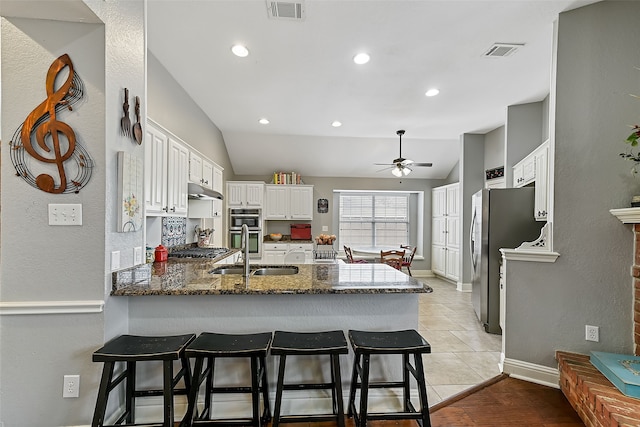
182,296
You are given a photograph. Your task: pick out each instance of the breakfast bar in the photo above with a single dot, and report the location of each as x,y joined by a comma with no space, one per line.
186,296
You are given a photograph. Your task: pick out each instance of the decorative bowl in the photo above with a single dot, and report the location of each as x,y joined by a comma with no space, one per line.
275,236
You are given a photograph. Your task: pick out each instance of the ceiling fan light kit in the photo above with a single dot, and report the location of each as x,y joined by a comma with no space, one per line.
400,166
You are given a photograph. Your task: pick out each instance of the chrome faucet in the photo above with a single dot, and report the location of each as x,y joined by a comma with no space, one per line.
245,250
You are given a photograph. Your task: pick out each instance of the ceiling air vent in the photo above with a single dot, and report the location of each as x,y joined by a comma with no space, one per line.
502,49
292,10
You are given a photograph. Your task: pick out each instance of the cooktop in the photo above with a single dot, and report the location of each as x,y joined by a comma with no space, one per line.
198,252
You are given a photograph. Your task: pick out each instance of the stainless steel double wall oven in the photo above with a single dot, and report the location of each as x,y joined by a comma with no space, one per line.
253,219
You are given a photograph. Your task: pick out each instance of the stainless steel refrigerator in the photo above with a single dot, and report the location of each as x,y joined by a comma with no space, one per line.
501,218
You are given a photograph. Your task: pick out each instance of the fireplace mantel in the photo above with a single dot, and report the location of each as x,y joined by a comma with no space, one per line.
627,215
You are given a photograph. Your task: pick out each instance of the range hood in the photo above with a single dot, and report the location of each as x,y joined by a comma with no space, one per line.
198,192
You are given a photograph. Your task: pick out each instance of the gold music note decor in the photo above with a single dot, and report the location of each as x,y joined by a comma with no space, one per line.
52,142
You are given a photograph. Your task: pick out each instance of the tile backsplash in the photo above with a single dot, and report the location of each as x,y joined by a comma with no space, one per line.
174,231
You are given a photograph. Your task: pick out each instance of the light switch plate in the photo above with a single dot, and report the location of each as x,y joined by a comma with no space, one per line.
325,228
137,255
115,260
65,214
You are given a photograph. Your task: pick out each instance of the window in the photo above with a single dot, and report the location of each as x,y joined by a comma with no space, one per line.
374,219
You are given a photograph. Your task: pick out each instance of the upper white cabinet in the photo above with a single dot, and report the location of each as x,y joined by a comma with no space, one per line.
445,231
245,194
535,169
166,173
201,170
288,202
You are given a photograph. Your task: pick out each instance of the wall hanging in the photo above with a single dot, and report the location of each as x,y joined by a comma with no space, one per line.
63,165
130,175
323,205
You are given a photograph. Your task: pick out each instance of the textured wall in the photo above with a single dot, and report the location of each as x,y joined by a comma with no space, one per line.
548,305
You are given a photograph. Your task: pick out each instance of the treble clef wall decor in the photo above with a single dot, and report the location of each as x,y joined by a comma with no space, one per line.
64,165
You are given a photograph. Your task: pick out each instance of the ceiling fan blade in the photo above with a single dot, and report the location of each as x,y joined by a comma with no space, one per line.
386,169
428,165
384,164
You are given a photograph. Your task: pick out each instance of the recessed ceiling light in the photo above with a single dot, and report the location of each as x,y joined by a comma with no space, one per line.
263,121
432,92
239,50
361,58
336,124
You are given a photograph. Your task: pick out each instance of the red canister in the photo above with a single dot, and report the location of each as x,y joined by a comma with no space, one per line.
161,253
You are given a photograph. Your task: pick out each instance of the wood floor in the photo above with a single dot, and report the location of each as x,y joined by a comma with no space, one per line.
505,402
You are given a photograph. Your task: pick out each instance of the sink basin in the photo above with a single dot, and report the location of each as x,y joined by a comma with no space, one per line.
226,270
275,270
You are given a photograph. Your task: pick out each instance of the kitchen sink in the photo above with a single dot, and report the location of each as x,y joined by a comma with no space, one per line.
273,270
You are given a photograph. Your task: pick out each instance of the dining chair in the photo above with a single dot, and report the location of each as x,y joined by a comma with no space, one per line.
393,258
350,260
408,258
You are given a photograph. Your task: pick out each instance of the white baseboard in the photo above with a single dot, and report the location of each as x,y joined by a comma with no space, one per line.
422,273
463,287
537,374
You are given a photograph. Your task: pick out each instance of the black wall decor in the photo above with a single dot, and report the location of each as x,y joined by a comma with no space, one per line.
323,205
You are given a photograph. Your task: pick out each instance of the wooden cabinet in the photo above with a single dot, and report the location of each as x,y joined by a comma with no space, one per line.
166,174
288,202
534,169
245,194
445,231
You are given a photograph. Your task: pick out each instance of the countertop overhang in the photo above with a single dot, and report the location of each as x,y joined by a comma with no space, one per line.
192,277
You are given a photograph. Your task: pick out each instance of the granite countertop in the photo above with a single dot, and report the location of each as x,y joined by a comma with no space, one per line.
182,276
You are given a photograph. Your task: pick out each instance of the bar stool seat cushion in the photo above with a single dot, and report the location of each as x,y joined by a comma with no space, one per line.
327,342
388,342
142,348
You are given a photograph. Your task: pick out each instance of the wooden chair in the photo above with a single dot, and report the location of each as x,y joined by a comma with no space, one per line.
350,260
393,258
408,258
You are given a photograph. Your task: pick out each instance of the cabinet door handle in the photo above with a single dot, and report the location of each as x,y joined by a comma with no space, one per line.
166,209
173,209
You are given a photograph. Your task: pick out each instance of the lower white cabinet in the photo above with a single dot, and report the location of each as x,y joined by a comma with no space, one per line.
445,262
275,253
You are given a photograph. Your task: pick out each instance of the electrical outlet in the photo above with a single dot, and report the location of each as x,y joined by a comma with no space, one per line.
137,255
115,260
325,228
592,333
65,214
71,387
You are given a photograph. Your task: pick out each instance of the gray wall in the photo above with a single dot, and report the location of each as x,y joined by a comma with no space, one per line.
523,129
548,305
472,148
45,265
494,148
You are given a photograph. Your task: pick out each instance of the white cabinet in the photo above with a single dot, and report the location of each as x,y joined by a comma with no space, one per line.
275,253
245,194
201,170
535,169
542,183
445,231
167,169
288,202
208,208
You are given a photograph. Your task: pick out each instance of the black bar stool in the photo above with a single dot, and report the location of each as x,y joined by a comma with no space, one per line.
210,346
132,349
331,343
403,343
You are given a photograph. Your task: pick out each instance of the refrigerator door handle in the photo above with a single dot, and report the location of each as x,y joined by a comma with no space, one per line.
472,242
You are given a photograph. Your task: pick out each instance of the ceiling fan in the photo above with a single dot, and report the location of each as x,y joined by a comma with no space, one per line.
401,166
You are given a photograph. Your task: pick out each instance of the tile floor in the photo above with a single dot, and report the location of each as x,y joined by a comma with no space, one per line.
463,355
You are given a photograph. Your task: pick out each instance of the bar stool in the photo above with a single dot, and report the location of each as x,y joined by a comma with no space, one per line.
210,346
403,343
132,349
330,343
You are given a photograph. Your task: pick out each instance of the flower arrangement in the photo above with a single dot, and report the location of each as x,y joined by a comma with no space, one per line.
131,206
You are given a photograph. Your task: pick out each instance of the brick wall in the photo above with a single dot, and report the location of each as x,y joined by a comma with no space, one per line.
598,402
635,272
